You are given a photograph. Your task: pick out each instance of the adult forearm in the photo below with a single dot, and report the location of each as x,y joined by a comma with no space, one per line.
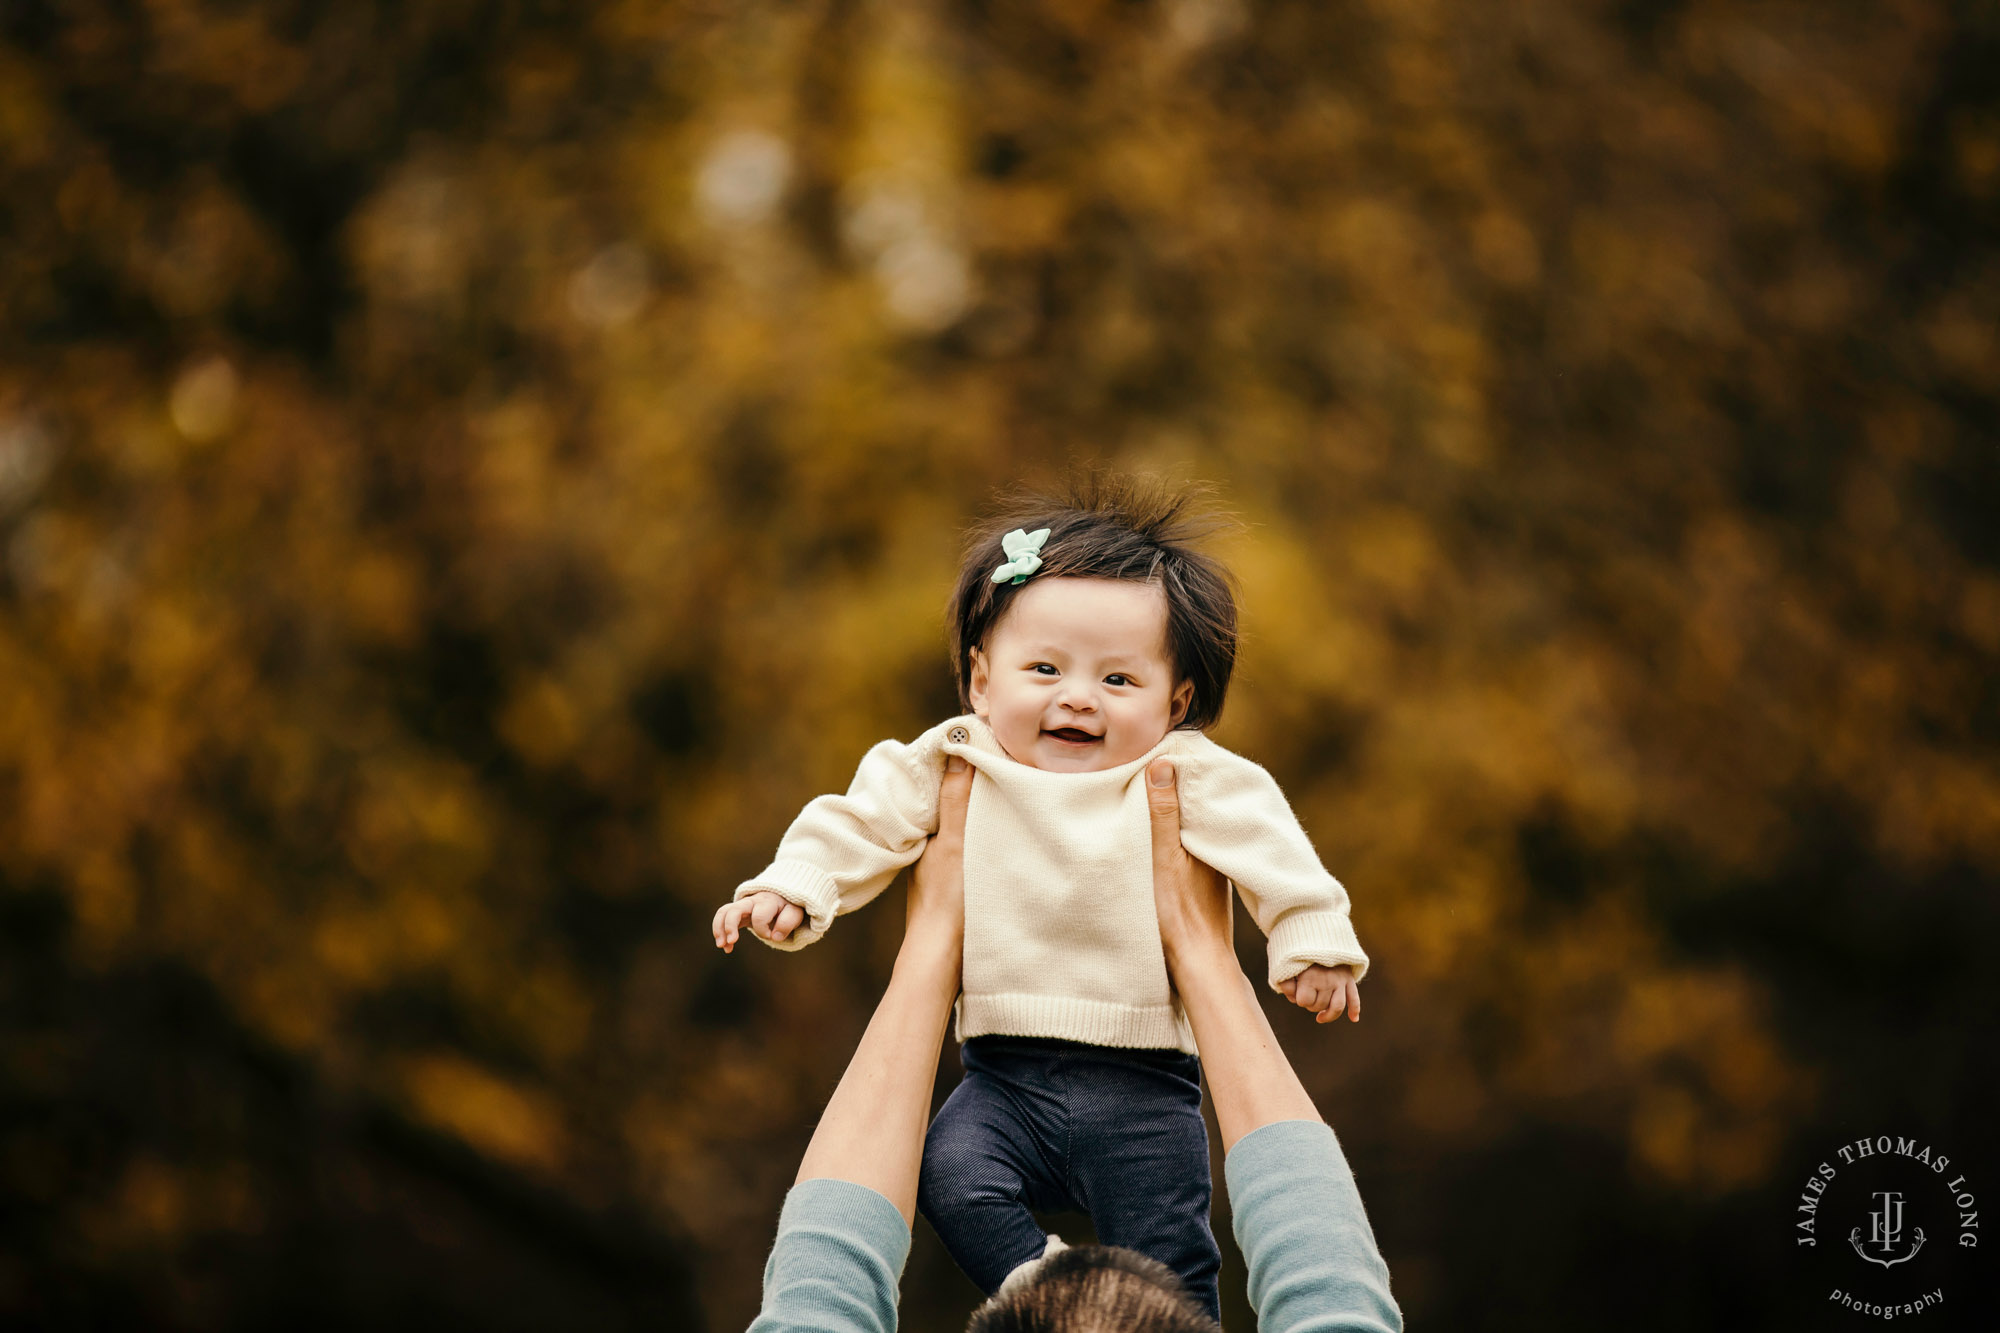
1249,1078
872,1132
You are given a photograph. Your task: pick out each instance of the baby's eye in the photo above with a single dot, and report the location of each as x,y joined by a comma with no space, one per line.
1117,678
1044,668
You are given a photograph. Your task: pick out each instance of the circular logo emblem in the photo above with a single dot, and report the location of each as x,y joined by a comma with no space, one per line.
1886,1227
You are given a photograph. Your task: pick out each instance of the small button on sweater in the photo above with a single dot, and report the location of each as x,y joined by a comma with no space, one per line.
1061,935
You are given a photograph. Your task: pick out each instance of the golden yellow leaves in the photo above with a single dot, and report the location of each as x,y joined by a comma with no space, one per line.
512,1123
437,555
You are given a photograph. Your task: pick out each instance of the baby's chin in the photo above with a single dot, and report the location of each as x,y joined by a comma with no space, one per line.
1055,756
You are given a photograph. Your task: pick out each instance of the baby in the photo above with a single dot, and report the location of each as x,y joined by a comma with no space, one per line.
1089,640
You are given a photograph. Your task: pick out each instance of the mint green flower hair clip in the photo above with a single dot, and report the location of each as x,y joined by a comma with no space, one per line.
1022,560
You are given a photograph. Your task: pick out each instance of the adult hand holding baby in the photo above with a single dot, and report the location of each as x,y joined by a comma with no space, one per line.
1195,909
1249,1078
1197,919
934,917
872,1132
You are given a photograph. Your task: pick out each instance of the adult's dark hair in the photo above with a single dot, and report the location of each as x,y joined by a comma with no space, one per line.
1095,1289
1111,526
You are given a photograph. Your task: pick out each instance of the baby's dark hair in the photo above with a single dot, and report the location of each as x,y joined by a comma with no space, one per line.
1111,526
1095,1289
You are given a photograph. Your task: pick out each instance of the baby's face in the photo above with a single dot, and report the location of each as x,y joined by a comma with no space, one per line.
1075,676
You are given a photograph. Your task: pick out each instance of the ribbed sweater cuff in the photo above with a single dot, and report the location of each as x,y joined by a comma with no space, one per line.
803,884
1303,938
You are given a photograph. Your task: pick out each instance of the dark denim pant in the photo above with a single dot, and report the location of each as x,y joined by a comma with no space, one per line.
1045,1125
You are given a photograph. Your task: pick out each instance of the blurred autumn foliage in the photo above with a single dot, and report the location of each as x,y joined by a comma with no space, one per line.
471,469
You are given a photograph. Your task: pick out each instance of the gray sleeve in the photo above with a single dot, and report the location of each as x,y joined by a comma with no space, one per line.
1314,1266
837,1262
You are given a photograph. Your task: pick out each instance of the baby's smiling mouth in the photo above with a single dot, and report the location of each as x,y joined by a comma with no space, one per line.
1074,735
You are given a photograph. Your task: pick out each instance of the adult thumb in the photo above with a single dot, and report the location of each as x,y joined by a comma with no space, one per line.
1163,798
954,796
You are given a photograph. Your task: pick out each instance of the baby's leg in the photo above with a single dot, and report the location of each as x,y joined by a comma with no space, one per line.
1139,1160
989,1158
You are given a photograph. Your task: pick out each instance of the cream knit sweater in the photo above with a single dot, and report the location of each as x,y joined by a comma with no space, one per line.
1061,936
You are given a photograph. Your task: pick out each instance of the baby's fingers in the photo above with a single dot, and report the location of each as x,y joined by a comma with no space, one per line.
788,920
1346,1000
728,918
1309,992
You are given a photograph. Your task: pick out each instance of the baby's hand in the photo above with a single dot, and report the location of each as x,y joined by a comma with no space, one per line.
1326,991
767,914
